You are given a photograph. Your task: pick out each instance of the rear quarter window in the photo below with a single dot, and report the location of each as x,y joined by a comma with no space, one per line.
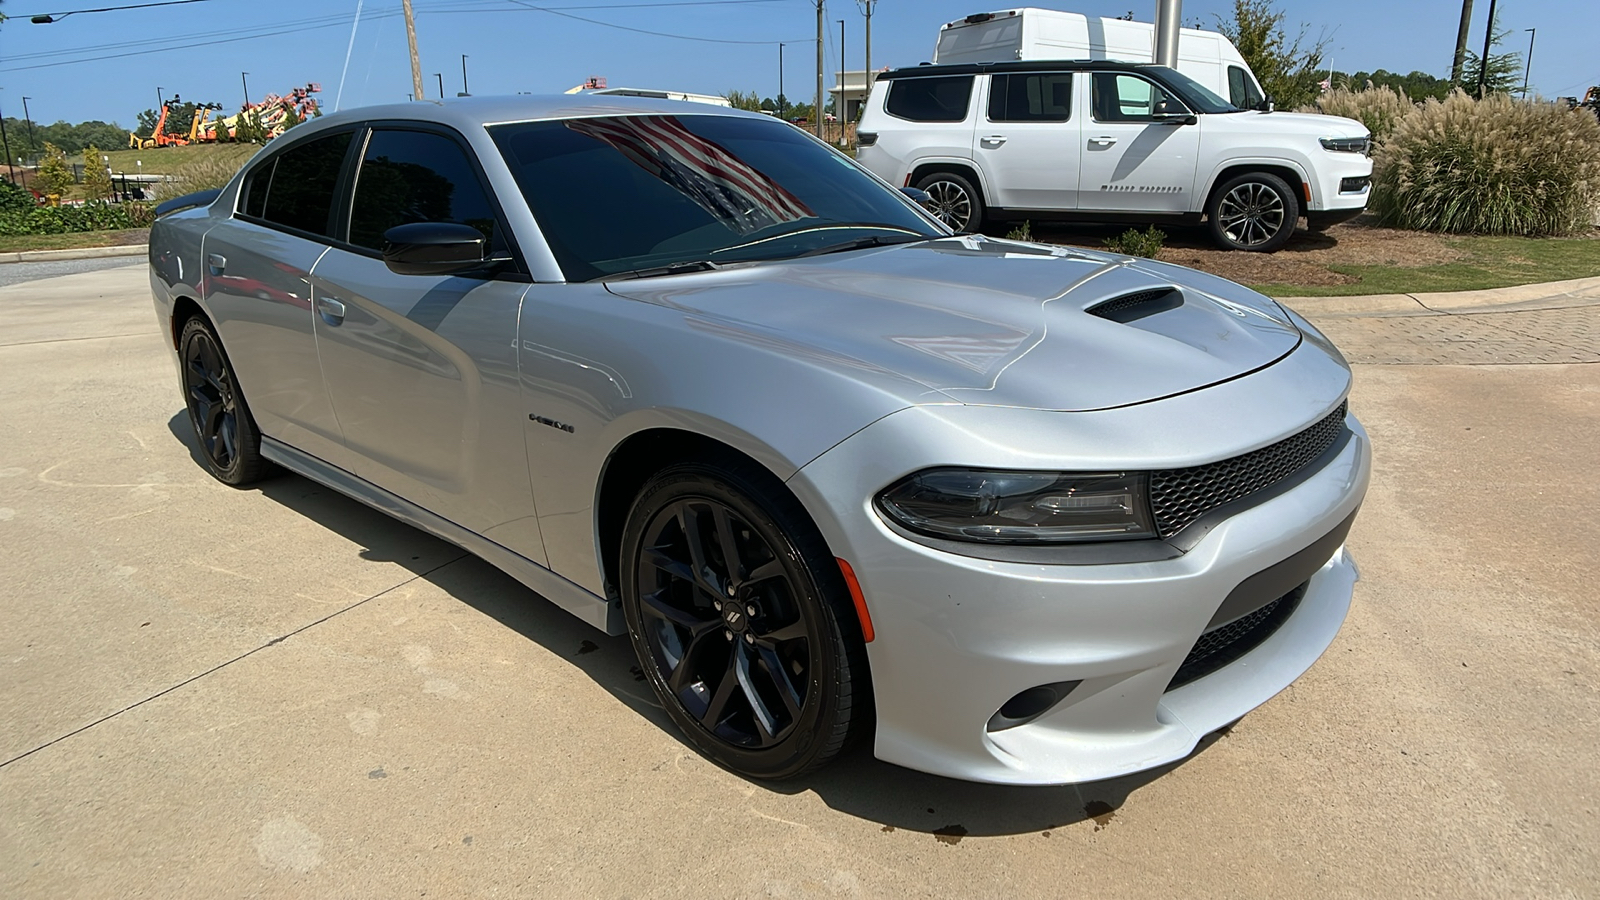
942,99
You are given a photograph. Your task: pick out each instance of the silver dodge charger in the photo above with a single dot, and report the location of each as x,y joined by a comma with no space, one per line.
1018,514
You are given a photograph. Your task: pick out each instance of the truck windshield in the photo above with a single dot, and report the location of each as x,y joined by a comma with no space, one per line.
1194,93
624,195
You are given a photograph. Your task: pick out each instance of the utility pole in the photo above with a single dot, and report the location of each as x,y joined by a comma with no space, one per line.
841,104
244,81
416,64
1169,18
1483,61
28,117
6,142
1529,70
817,111
1461,42
867,6
782,101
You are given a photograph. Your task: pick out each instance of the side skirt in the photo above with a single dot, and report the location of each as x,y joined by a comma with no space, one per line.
597,611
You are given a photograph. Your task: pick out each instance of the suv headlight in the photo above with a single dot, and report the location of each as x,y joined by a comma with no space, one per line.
1010,507
1361,145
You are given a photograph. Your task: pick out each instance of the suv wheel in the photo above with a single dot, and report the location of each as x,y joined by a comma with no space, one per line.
953,200
1254,211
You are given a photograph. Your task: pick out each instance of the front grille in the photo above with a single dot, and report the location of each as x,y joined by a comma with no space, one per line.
1226,643
1179,496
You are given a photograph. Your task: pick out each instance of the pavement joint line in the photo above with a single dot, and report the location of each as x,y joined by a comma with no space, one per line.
222,665
96,337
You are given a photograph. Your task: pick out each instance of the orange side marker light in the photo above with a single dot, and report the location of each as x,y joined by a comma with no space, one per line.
860,601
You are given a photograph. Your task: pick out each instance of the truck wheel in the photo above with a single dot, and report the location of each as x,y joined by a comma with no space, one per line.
955,201
1254,211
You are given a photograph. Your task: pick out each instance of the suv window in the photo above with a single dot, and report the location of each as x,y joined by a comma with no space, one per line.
1031,97
416,176
1242,89
1119,97
296,188
930,99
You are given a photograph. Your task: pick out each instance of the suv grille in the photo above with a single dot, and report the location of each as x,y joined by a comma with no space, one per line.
1226,643
1179,496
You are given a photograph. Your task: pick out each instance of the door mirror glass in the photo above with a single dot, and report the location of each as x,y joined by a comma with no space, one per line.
433,248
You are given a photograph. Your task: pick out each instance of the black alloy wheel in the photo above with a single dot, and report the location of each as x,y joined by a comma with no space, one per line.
953,200
734,608
1254,211
230,445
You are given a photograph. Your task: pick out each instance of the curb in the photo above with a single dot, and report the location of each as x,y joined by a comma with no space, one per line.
1576,292
75,253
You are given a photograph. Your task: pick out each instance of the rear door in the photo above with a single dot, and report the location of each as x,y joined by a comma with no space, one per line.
256,283
1027,141
1131,161
422,369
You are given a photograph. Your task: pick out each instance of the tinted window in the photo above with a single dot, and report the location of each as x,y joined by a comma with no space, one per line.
1118,97
615,194
1032,97
255,202
302,183
930,99
1241,89
416,176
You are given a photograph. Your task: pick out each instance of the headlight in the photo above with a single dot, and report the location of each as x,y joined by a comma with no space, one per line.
1021,507
1347,145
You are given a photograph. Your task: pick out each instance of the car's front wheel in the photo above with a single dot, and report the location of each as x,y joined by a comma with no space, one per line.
230,445
1254,211
736,612
953,200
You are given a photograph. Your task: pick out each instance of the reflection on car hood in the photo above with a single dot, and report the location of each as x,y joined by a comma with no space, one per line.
992,322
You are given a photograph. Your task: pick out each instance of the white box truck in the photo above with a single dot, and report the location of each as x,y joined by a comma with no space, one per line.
1032,33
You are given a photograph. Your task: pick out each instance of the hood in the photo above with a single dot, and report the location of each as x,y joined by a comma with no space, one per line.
1313,124
995,322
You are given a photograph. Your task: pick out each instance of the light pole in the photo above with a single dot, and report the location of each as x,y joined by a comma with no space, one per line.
28,117
464,91
246,83
781,103
159,100
1529,69
1483,61
6,142
841,104
440,76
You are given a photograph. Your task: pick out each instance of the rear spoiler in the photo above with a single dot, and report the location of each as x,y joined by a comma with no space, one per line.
187,201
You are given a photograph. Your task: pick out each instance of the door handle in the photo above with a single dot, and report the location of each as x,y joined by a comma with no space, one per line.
331,310
217,262
993,140
1107,140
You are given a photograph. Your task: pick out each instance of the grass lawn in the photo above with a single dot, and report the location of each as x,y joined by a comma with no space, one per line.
1485,262
14,243
166,160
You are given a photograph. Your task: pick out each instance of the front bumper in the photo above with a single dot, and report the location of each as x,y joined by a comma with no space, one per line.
1342,183
957,636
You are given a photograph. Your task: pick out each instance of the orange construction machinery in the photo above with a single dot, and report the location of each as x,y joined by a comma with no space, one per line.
159,137
276,112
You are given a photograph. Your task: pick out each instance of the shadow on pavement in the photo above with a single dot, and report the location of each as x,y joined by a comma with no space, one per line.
856,783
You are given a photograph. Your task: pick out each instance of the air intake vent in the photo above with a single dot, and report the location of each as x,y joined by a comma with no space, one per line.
1129,307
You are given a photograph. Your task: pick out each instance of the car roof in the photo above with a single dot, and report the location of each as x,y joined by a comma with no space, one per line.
1021,65
466,113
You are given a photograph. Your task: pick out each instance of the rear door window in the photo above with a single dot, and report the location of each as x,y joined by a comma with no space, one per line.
297,188
416,176
1031,97
940,99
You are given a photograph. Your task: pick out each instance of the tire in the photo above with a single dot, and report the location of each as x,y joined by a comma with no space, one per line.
759,663
1255,211
230,443
955,201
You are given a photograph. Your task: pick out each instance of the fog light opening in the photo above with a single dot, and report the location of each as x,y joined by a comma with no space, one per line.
1030,704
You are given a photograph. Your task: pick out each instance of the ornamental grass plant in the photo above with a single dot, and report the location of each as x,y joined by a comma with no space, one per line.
1492,166
1378,108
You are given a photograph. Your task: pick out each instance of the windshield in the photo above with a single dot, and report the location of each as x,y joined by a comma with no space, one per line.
1194,93
620,194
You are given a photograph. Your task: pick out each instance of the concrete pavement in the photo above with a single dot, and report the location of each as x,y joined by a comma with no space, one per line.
278,692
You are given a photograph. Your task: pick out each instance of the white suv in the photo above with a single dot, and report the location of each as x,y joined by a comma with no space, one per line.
1110,141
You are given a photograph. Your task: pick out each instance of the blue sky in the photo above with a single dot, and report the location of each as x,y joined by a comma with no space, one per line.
195,49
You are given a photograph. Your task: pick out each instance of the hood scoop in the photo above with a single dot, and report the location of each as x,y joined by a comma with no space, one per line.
1135,306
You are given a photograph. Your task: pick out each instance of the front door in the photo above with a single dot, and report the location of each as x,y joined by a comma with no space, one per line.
1027,141
1132,161
422,369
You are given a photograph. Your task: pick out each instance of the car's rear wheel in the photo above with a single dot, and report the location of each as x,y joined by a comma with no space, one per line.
1254,211
953,200
736,612
230,444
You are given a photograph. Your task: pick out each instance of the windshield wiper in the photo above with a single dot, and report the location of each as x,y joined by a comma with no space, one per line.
861,243
677,268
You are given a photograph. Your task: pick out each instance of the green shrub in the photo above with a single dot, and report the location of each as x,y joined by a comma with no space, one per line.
14,199
1023,232
92,216
1492,166
1134,242
55,176
1379,108
96,179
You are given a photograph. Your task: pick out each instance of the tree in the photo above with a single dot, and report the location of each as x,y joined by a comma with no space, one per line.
1417,85
742,100
54,175
96,179
1289,71
1505,69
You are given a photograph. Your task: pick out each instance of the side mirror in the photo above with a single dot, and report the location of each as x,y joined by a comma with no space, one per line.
433,248
1266,105
919,196
1175,118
